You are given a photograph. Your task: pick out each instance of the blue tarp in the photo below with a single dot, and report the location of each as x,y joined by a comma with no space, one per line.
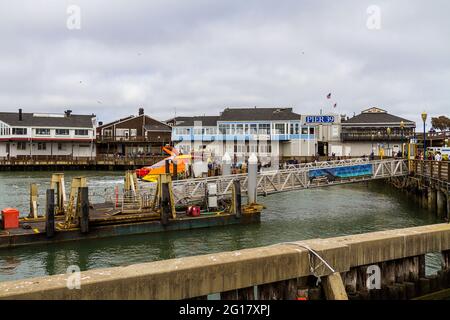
343,172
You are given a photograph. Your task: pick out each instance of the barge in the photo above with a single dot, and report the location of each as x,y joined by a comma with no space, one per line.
81,220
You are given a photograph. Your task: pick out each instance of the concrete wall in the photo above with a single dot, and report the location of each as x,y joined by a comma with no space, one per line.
197,276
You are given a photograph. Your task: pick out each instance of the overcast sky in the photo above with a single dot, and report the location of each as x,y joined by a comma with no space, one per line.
198,57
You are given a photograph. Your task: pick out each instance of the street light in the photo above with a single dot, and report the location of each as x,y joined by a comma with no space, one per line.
379,137
388,130
424,118
372,137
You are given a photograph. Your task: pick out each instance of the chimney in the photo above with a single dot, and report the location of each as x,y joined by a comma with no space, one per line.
20,115
141,111
67,113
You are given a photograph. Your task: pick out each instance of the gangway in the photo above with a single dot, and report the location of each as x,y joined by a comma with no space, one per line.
295,177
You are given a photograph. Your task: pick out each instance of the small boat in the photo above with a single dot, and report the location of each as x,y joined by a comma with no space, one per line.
152,172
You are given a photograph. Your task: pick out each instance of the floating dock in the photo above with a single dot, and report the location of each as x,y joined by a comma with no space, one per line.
103,224
135,212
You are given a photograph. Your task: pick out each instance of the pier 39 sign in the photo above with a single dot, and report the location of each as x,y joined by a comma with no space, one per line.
319,119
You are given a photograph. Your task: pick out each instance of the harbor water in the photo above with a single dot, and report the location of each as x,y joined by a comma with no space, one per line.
292,216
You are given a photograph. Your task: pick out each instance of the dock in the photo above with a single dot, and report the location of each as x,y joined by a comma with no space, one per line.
388,265
54,163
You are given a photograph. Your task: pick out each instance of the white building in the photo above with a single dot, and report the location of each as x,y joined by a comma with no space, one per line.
34,135
271,133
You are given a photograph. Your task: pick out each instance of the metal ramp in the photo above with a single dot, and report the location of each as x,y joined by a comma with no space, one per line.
294,177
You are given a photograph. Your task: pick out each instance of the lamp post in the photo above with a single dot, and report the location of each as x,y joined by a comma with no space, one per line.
402,126
379,137
372,137
388,131
424,118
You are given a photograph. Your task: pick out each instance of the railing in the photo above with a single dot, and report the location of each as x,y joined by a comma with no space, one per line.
439,170
163,138
376,138
293,178
69,160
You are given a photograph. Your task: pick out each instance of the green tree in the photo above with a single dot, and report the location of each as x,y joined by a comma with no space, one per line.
441,123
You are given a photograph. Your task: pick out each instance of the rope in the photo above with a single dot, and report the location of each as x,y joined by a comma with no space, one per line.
312,267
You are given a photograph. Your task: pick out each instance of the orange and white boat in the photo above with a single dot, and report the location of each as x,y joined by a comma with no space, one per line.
152,172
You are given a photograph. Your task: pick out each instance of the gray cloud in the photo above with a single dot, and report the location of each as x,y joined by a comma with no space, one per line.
197,57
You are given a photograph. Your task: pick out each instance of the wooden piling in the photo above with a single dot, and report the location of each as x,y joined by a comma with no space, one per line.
246,293
50,213
424,286
84,209
441,204
229,295
333,287
410,290
432,199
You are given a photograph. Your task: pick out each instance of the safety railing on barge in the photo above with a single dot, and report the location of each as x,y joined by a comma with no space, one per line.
295,178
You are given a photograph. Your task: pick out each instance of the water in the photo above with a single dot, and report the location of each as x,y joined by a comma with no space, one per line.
292,216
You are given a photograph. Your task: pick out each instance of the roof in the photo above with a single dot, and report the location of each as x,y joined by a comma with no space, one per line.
47,120
239,114
114,122
258,114
158,127
376,117
207,121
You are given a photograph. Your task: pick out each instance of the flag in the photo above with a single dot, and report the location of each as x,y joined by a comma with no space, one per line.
329,96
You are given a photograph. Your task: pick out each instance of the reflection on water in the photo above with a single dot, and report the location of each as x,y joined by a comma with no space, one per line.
292,216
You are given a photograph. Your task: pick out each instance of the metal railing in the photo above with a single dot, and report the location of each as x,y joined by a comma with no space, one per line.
163,138
293,178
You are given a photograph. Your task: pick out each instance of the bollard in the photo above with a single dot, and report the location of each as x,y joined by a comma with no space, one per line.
226,164
84,213
50,214
252,178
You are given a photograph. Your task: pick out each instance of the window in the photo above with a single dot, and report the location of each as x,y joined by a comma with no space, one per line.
21,145
84,146
4,129
43,132
42,146
294,128
253,129
222,128
62,132
61,146
19,131
239,129
311,130
81,132
304,130
264,128
279,128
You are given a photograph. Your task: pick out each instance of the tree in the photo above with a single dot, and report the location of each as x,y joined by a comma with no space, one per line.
441,123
